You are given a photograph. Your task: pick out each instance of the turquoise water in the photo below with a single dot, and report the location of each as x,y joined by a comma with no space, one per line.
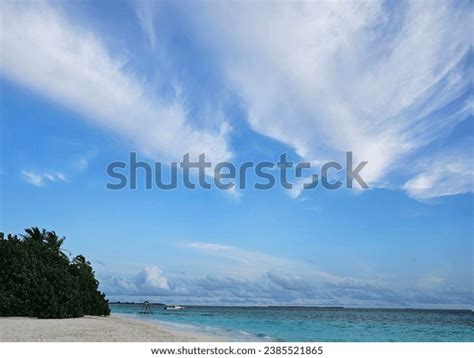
316,324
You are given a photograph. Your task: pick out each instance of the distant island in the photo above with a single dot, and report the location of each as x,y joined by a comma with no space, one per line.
38,280
136,303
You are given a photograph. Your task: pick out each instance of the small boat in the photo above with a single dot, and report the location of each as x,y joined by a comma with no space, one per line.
173,308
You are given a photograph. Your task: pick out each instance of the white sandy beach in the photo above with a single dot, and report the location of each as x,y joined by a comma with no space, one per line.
92,329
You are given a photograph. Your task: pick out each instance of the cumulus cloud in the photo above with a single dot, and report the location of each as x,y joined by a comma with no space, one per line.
149,281
151,278
73,67
327,77
272,288
250,277
277,280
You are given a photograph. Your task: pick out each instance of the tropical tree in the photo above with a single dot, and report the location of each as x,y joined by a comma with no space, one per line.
37,279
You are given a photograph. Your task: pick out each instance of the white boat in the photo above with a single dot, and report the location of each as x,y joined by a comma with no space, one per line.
173,308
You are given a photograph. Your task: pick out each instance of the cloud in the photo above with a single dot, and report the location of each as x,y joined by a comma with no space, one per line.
73,67
263,279
380,79
151,278
248,264
81,163
240,262
33,179
78,165
443,173
272,288
207,246
149,281
287,281
146,11
41,179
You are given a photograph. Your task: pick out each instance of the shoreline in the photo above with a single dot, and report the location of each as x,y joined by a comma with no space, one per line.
94,329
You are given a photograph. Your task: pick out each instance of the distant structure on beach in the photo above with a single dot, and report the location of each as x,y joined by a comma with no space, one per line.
146,308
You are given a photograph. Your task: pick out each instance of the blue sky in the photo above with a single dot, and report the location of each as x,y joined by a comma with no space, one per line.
85,83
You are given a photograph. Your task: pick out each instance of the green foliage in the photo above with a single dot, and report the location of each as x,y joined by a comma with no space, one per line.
38,280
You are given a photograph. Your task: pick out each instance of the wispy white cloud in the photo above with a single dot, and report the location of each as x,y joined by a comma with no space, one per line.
73,67
82,162
40,179
146,11
448,172
327,77
247,264
322,77
67,172
206,246
33,178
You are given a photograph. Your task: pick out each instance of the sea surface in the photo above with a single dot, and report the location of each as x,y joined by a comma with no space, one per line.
295,324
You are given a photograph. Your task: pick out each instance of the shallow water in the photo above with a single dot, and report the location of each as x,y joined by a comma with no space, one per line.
316,324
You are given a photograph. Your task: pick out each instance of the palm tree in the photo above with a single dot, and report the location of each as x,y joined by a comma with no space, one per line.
53,240
34,234
48,238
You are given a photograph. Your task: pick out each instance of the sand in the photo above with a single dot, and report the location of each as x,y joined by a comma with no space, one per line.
92,329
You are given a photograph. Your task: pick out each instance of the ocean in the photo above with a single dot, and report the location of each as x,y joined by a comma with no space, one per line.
306,324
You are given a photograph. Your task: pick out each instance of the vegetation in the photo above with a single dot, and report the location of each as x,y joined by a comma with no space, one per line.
38,280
